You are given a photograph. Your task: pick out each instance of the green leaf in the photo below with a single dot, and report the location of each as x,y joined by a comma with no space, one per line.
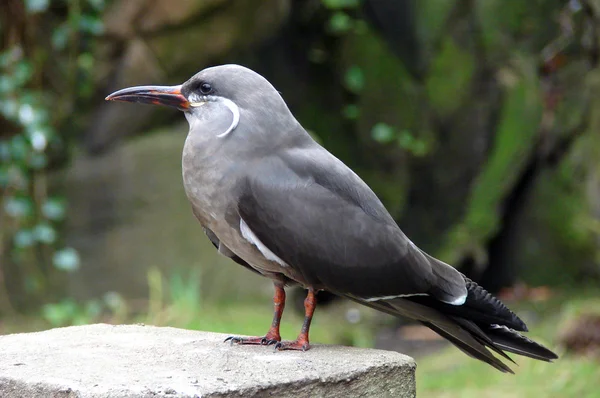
85,61
54,209
33,283
419,148
354,79
60,37
19,148
113,300
9,108
405,139
91,24
44,233
450,78
34,6
340,22
7,84
4,176
38,139
22,73
383,133
93,308
37,161
24,238
66,259
4,151
337,4
18,207
26,114
97,5
351,112
60,313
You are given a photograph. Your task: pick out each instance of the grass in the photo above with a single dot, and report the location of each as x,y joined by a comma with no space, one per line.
452,374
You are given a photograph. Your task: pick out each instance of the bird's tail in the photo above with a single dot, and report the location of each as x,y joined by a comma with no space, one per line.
480,326
509,340
477,341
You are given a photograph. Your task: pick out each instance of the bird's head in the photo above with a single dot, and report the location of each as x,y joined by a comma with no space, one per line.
216,94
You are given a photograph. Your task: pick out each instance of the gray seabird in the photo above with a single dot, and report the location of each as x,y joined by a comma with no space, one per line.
273,200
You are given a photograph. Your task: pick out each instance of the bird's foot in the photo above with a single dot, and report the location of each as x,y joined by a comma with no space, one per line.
297,345
268,339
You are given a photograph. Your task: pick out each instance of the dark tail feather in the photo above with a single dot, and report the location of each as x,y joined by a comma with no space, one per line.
472,336
481,336
512,341
464,334
470,346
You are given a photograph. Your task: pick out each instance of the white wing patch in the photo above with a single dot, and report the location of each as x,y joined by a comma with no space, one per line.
250,237
371,299
458,301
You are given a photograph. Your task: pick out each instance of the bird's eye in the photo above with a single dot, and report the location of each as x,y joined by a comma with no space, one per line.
205,88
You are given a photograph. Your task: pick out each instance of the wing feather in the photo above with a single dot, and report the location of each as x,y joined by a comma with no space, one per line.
324,222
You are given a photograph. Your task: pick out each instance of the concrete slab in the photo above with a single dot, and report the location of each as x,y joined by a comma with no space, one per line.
99,361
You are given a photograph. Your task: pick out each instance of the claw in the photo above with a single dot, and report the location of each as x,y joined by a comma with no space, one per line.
264,340
297,345
233,339
270,342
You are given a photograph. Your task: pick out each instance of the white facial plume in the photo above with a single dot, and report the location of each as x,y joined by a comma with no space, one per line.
196,101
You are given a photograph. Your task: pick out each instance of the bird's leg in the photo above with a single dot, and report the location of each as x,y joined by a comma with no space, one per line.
272,335
301,343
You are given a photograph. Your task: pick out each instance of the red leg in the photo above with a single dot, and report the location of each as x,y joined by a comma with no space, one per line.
302,343
272,335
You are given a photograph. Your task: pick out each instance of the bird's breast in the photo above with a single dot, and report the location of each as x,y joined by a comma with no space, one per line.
209,182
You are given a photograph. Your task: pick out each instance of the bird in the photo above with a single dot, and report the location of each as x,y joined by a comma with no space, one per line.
273,200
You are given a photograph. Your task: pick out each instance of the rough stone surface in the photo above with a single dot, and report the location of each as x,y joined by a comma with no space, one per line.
145,361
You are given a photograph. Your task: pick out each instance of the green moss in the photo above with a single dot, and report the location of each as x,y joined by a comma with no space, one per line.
515,139
387,95
556,245
387,92
563,248
449,79
431,19
509,25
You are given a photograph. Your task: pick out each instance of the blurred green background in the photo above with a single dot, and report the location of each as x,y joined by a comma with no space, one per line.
477,122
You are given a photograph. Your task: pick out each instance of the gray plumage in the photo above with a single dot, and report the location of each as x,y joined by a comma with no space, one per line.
276,202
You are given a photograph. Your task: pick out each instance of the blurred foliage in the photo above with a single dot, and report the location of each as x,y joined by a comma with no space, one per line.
175,300
42,79
444,133
492,96
516,135
344,19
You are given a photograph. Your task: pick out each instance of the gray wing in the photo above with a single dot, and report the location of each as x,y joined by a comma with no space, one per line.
323,221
